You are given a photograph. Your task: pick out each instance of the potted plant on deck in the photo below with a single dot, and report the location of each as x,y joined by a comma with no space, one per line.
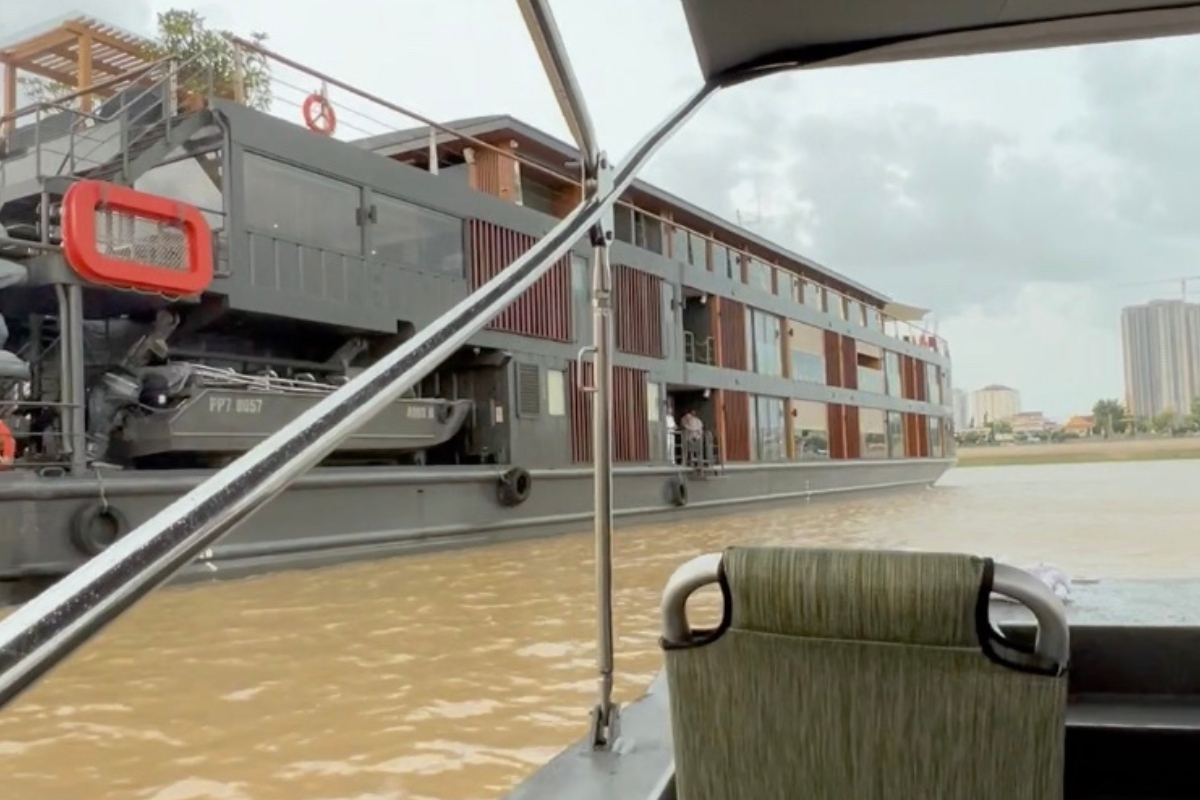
209,62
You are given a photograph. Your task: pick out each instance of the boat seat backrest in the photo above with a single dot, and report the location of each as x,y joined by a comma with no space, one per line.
861,675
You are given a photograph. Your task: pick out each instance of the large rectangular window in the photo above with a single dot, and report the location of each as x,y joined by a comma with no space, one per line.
697,251
806,351
872,426
415,237
814,296
767,429
933,384
895,434
765,346
935,436
721,260
679,244
810,430
623,223
870,368
300,206
895,383
758,274
648,232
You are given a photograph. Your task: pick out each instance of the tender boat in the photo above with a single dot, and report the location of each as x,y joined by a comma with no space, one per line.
832,674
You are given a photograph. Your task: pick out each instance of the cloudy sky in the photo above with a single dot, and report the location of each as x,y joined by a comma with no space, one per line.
1024,197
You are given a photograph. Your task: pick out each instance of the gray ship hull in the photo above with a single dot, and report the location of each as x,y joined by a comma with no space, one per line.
344,514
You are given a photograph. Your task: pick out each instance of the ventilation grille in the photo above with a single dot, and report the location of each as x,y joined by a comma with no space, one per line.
529,390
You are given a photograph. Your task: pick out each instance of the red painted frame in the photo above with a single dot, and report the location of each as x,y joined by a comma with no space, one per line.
80,203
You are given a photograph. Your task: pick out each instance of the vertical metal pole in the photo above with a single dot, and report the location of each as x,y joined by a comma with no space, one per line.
77,396
604,717
597,182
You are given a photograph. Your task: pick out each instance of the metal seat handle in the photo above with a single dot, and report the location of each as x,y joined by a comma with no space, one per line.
693,575
1053,632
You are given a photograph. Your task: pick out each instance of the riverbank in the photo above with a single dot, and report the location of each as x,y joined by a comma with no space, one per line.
1080,451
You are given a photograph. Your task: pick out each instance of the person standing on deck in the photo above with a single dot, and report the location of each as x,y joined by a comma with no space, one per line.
693,434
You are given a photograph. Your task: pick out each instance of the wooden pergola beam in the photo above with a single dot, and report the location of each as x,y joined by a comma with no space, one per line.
103,38
42,72
84,76
10,98
31,48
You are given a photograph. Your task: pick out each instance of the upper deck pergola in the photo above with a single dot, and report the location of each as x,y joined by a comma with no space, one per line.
77,52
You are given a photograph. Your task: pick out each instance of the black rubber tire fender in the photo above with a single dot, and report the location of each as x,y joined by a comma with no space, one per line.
677,491
96,526
514,487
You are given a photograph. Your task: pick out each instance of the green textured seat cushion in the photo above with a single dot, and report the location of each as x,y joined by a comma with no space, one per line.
859,675
769,717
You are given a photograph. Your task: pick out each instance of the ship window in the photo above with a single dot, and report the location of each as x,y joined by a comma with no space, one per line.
623,223
417,238
721,260
874,321
758,274
300,206
872,426
933,384
806,350
895,385
935,436
581,289
810,429
679,244
697,251
765,333
529,390
870,368
648,232
538,196
854,312
895,432
767,429
812,296
836,304
652,401
556,392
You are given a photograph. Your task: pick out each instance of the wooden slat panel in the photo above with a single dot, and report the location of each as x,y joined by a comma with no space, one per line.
853,434
833,359
580,408
544,310
733,335
923,435
836,417
849,356
920,388
736,414
631,427
637,311
912,435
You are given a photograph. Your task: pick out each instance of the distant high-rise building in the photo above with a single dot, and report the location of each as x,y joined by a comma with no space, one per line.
994,403
1161,343
962,410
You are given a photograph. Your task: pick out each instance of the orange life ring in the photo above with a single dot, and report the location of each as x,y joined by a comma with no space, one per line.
8,447
319,115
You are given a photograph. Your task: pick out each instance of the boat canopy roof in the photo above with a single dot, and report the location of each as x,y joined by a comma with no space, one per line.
740,39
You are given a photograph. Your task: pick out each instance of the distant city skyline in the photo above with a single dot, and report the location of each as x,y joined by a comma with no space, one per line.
1160,343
